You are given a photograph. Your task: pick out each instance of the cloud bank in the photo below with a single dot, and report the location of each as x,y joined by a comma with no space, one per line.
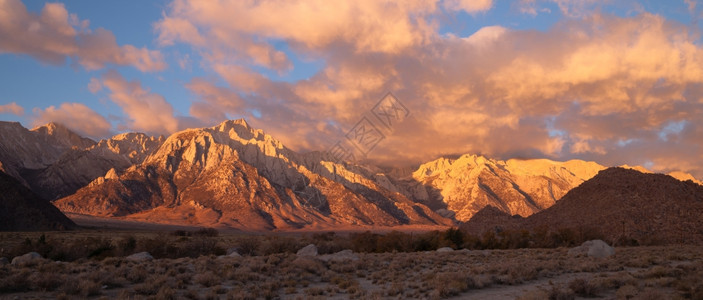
595,86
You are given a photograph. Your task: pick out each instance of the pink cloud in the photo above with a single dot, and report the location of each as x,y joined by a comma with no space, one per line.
55,35
12,108
146,111
76,116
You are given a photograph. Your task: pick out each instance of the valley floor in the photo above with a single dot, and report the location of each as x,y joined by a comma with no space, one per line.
633,272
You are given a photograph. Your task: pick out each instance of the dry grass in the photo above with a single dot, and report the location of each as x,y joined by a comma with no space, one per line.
633,273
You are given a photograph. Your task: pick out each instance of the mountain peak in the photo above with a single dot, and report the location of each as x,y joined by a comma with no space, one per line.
63,135
228,124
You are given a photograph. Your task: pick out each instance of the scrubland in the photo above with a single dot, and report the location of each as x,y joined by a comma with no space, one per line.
195,265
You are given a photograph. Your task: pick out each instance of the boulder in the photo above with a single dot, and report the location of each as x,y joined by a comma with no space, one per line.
139,257
309,250
31,257
234,254
593,248
344,255
445,249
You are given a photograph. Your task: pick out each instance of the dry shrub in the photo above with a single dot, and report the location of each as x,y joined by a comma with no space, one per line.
583,287
166,293
626,292
89,288
153,285
248,245
43,281
651,294
207,279
559,293
279,244
17,282
314,291
451,283
309,265
137,274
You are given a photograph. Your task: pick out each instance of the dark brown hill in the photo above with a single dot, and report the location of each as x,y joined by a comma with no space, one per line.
621,205
21,209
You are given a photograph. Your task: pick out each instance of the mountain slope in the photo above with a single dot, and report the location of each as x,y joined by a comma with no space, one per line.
233,175
465,185
55,162
622,204
21,209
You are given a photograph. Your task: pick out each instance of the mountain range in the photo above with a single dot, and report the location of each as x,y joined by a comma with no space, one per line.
236,176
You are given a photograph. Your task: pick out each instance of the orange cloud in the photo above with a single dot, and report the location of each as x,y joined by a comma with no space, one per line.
594,87
223,30
55,35
75,116
12,108
146,111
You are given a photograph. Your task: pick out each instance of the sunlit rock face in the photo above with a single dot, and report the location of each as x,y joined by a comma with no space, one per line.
465,185
233,175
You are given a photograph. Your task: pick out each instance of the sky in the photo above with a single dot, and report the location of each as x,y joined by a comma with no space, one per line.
616,82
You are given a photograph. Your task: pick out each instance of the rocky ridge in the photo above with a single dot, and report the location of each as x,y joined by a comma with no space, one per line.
233,175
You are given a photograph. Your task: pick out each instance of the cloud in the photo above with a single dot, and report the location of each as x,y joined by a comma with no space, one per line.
12,108
240,31
76,116
217,101
594,86
55,35
470,6
146,111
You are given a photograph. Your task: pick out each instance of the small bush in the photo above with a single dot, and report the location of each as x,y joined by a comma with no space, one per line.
583,288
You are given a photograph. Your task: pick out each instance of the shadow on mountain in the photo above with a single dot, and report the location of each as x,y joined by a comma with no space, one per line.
23,210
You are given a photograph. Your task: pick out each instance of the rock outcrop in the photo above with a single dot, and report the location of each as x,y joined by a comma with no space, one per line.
593,248
27,259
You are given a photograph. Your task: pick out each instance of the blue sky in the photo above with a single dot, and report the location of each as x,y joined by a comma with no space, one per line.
481,73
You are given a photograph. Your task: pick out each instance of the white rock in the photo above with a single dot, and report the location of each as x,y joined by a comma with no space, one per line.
31,257
309,250
593,248
344,255
141,256
445,249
